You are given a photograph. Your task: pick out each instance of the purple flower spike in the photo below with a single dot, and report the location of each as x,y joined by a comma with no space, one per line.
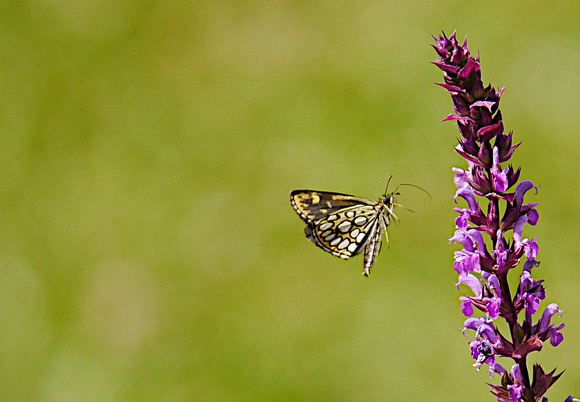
490,230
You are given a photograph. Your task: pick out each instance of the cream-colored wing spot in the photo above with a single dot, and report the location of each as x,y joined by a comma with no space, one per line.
360,220
344,226
338,235
325,226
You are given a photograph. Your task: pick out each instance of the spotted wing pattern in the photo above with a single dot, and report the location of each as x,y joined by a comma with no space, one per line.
343,225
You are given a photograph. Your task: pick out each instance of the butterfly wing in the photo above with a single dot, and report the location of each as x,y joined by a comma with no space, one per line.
339,224
315,205
344,225
373,247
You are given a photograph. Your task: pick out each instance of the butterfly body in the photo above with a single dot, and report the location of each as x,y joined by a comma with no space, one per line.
344,225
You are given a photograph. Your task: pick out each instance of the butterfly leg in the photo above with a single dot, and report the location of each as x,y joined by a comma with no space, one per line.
391,213
404,207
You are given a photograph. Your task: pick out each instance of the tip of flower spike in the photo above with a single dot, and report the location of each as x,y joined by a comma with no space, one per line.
446,47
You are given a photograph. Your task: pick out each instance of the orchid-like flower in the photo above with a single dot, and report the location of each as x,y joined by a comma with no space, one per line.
490,231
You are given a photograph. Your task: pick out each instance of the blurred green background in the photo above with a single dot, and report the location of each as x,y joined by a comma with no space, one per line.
148,248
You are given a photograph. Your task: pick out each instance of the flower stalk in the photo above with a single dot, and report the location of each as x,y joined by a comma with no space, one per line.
490,230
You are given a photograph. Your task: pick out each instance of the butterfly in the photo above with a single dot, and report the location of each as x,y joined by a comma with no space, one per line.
345,225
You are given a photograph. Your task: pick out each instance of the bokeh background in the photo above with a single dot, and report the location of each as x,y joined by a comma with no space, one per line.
148,250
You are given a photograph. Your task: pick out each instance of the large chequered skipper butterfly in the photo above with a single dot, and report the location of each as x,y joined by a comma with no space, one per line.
344,225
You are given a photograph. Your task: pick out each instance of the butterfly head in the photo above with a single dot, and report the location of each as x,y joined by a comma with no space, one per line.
389,198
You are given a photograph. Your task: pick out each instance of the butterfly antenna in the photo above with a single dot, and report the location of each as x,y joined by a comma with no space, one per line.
413,185
388,181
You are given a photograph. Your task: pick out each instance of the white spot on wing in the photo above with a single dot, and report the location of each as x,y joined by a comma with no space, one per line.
344,226
325,225
361,220
335,241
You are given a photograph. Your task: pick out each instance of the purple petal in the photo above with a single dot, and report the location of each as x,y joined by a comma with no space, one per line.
515,392
467,239
473,282
460,179
531,249
493,281
525,280
531,304
522,189
488,333
462,221
477,240
528,265
500,179
465,262
474,323
500,182
482,329
516,374
533,217
492,307
466,307
556,337
468,196
486,104
547,316
496,368
519,229
460,237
